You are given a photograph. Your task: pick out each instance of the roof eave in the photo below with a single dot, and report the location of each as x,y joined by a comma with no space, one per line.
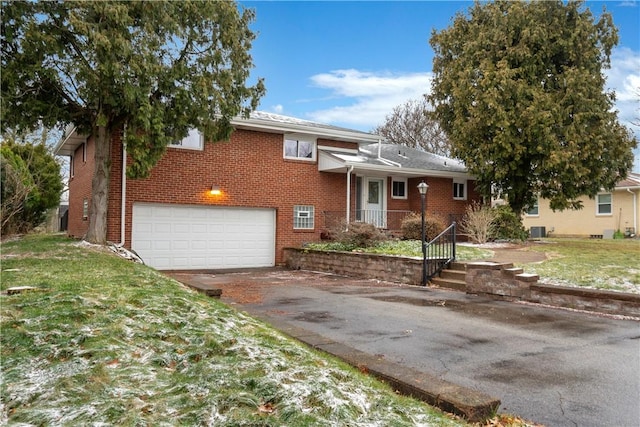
69,142
336,134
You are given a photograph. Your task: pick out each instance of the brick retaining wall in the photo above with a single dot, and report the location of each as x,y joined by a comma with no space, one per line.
369,266
500,280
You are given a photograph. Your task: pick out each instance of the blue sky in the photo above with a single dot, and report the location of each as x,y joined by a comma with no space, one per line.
350,63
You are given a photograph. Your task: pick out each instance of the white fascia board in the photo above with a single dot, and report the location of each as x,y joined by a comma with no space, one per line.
353,151
69,142
279,127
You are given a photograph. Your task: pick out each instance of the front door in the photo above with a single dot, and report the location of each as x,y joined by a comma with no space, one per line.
374,202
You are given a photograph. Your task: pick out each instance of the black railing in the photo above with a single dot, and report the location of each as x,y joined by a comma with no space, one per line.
384,219
440,252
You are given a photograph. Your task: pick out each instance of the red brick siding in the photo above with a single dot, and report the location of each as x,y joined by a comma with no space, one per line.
80,189
251,172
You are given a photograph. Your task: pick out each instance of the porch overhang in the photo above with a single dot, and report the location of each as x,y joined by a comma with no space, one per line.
341,162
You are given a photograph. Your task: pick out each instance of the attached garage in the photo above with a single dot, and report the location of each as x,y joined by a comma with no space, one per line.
179,237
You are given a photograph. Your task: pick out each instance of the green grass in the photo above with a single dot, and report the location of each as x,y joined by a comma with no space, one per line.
409,248
593,263
107,341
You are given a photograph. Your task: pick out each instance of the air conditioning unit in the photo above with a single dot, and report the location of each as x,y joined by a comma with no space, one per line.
538,232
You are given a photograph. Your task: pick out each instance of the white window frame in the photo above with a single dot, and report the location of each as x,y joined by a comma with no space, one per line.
598,204
536,207
298,139
193,141
303,217
84,152
403,181
85,209
462,182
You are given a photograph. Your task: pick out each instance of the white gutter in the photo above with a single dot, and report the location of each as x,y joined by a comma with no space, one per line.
383,160
349,171
635,211
123,199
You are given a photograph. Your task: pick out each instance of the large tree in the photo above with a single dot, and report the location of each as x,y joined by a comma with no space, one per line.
156,68
412,125
519,89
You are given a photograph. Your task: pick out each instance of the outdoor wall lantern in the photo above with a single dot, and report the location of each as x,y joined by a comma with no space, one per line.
422,188
215,190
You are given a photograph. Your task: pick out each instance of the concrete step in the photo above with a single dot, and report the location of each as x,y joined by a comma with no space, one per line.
453,274
458,266
458,285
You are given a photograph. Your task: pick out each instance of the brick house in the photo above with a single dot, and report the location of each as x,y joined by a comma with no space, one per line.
279,182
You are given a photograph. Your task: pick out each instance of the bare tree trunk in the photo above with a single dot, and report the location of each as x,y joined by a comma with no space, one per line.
97,232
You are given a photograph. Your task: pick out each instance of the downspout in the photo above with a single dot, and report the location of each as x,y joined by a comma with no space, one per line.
349,171
382,159
635,211
123,198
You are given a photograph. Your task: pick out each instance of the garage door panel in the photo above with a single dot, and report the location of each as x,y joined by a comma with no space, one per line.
194,237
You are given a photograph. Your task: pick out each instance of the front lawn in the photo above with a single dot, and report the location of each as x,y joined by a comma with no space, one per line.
593,263
409,248
104,341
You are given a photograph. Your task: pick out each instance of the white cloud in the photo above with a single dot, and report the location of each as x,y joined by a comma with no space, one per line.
372,95
278,109
624,79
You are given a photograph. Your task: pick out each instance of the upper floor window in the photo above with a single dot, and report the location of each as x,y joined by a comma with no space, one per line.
193,141
534,210
459,190
603,204
299,147
399,188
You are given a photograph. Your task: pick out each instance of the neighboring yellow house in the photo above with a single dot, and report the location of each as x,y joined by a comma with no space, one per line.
600,217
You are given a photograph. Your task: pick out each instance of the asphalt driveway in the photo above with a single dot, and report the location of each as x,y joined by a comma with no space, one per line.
551,366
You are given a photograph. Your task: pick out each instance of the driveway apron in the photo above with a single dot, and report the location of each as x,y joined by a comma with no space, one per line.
551,366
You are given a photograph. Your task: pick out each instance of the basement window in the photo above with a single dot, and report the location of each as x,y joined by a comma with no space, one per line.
85,209
303,217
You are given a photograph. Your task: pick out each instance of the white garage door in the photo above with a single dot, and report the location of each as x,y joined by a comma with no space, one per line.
176,237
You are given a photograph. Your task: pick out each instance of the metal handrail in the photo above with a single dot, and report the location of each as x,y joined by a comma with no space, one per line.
440,252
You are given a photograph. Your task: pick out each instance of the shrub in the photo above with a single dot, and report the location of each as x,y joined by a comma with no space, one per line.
358,235
508,225
412,226
479,222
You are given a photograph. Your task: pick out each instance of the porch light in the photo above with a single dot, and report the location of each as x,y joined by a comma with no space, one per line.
215,190
422,188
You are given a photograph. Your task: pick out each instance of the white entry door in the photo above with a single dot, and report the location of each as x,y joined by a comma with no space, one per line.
374,202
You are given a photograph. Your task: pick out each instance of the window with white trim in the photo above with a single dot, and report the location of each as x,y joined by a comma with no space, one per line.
604,204
460,190
299,147
399,188
303,217
84,152
85,208
534,210
193,141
